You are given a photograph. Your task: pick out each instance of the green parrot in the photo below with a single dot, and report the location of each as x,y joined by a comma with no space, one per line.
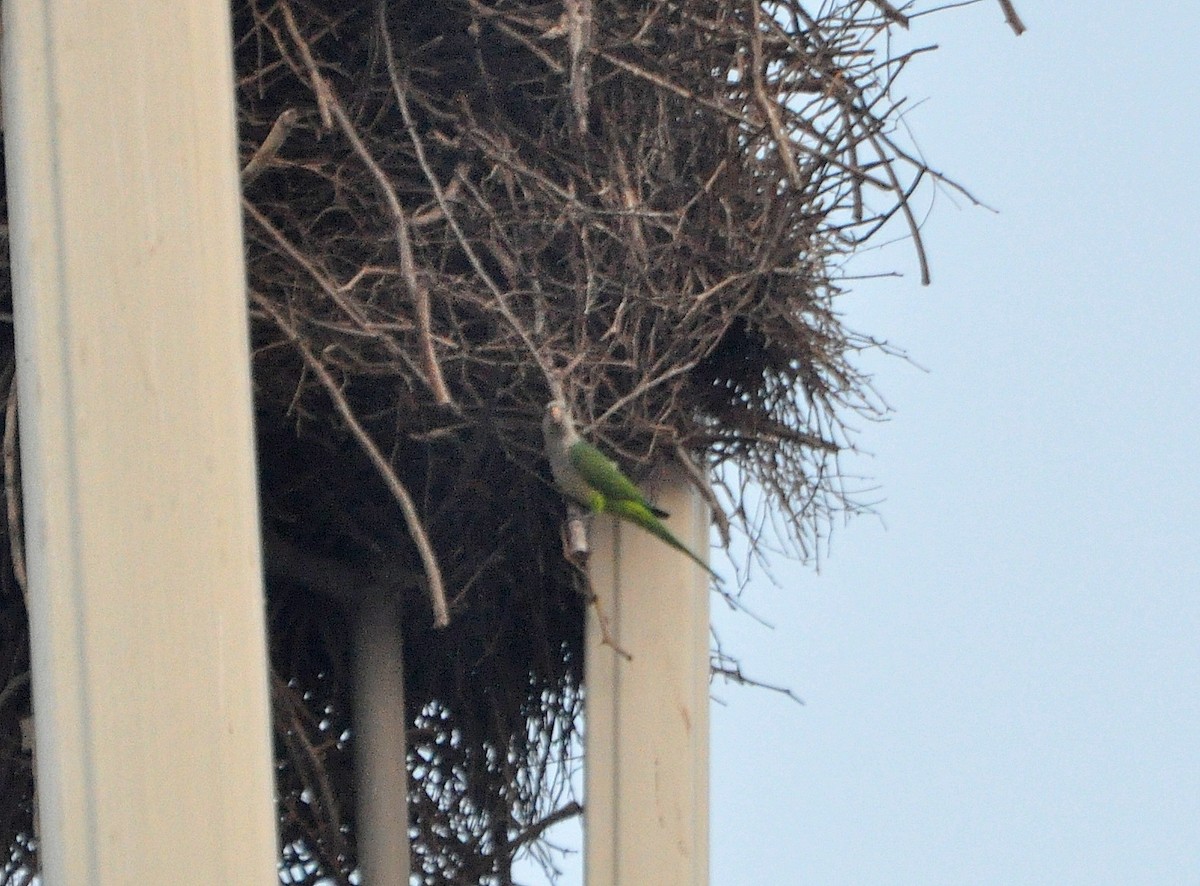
585,475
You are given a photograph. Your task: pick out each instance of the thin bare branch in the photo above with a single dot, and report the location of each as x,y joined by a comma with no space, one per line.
271,144
331,106
433,574
891,13
1010,16
440,194
12,489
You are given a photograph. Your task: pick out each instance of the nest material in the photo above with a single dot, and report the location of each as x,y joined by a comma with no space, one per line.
456,211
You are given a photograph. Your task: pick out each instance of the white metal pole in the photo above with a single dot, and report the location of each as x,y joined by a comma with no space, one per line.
646,718
145,591
381,741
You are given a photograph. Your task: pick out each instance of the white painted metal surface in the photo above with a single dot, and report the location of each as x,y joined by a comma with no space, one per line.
150,690
382,742
646,740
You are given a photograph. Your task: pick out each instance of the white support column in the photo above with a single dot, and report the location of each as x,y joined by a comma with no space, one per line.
646,732
146,605
381,742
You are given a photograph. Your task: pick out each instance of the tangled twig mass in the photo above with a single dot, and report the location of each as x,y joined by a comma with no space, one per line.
456,211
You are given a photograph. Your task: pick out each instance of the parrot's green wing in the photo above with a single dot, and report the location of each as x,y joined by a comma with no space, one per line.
588,476
603,475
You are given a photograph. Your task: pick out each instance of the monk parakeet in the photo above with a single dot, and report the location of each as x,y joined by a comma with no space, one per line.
586,476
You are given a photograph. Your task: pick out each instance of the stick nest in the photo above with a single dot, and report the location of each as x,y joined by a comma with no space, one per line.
455,211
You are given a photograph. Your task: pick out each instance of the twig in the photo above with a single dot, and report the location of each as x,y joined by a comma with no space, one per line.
731,670
329,102
437,590
440,195
314,72
270,147
579,42
891,13
576,550
1010,16
606,637
902,197
408,268
336,293
770,107
12,490
538,828
701,482
641,388
303,749
13,686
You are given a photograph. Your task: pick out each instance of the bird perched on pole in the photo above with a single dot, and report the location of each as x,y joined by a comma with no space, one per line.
585,475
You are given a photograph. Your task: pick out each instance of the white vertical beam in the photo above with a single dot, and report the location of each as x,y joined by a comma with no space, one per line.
381,741
646,735
146,606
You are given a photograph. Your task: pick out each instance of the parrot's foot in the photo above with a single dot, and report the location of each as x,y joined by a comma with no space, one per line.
575,540
575,534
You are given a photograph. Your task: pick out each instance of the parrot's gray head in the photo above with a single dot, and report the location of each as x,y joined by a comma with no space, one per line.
556,423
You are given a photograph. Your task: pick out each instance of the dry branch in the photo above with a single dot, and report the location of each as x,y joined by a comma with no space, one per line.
12,489
270,147
433,574
1010,16
456,212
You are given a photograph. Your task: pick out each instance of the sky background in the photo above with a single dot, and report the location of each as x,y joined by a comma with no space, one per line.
1001,673
1002,685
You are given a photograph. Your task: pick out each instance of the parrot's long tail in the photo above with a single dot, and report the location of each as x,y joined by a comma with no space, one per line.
643,516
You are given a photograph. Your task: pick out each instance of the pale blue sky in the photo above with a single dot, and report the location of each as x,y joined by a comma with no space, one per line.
1003,685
